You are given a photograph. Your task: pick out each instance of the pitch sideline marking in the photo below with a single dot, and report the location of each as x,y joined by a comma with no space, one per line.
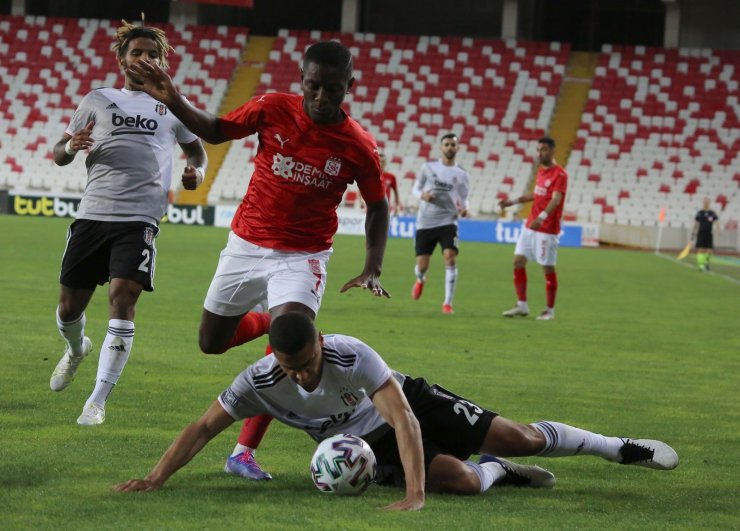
710,272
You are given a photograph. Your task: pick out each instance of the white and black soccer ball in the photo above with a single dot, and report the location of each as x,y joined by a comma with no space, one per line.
344,465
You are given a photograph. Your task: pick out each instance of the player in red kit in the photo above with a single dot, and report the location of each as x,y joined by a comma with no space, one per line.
310,150
391,187
539,238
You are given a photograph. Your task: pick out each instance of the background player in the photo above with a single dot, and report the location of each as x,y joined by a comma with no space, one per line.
310,151
442,188
421,435
703,235
539,238
130,138
390,185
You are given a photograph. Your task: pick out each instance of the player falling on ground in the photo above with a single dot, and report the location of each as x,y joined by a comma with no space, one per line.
422,435
702,234
130,138
310,150
539,238
442,187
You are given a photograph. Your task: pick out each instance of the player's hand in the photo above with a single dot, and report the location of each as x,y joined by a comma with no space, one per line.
505,203
192,178
428,197
82,139
366,281
407,504
464,213
136,485
535,224
153,80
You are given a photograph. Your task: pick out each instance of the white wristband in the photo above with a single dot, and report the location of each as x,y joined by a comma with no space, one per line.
68,148
200,172
543,215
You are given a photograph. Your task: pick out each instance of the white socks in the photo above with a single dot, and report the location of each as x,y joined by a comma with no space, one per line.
563,440
420,275
450,283
488,473
113,357
240,448
73,332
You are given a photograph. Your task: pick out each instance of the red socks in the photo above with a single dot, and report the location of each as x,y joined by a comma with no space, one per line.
520,283
252,326
551,287
254,428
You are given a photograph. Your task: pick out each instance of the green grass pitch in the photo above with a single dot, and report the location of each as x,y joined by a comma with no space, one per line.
641,347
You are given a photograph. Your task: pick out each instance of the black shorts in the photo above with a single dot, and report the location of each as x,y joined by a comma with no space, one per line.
704,241
450,425
98,251
427,239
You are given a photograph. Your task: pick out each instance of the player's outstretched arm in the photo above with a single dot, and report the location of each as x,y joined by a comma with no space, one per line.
394,408
153,80
182,450
376,238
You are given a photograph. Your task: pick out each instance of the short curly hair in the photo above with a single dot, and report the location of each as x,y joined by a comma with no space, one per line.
128,31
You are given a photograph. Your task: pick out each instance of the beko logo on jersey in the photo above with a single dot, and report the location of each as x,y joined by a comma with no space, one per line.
442,185
300,172
141,125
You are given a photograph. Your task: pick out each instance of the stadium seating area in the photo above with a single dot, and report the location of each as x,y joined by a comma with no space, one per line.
48,64
497,95
660,130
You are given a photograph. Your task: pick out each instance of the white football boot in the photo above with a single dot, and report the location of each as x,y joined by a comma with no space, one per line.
648,453
65,370
92,415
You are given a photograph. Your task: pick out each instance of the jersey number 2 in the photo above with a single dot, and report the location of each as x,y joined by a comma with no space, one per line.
144,265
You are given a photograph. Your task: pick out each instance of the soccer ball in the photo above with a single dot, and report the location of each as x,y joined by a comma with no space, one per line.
344,465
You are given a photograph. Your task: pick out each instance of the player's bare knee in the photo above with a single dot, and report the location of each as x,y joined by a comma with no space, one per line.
532,440
208,345
461,484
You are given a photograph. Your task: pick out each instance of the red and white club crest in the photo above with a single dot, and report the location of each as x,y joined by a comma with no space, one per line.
547,182
333,165
315,266
161,108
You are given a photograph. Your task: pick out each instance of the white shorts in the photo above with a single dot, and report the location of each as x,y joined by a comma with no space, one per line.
248,274
539,247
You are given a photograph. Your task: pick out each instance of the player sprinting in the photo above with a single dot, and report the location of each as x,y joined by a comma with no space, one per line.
422,435
539,238
130,138
310,150
442,187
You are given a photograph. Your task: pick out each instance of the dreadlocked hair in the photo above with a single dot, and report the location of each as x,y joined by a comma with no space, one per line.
128,31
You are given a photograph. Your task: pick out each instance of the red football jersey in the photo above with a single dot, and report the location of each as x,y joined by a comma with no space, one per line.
389,183
549,180
301,172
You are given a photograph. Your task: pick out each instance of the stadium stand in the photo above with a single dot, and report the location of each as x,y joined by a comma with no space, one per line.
49,64
660,129
497,95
